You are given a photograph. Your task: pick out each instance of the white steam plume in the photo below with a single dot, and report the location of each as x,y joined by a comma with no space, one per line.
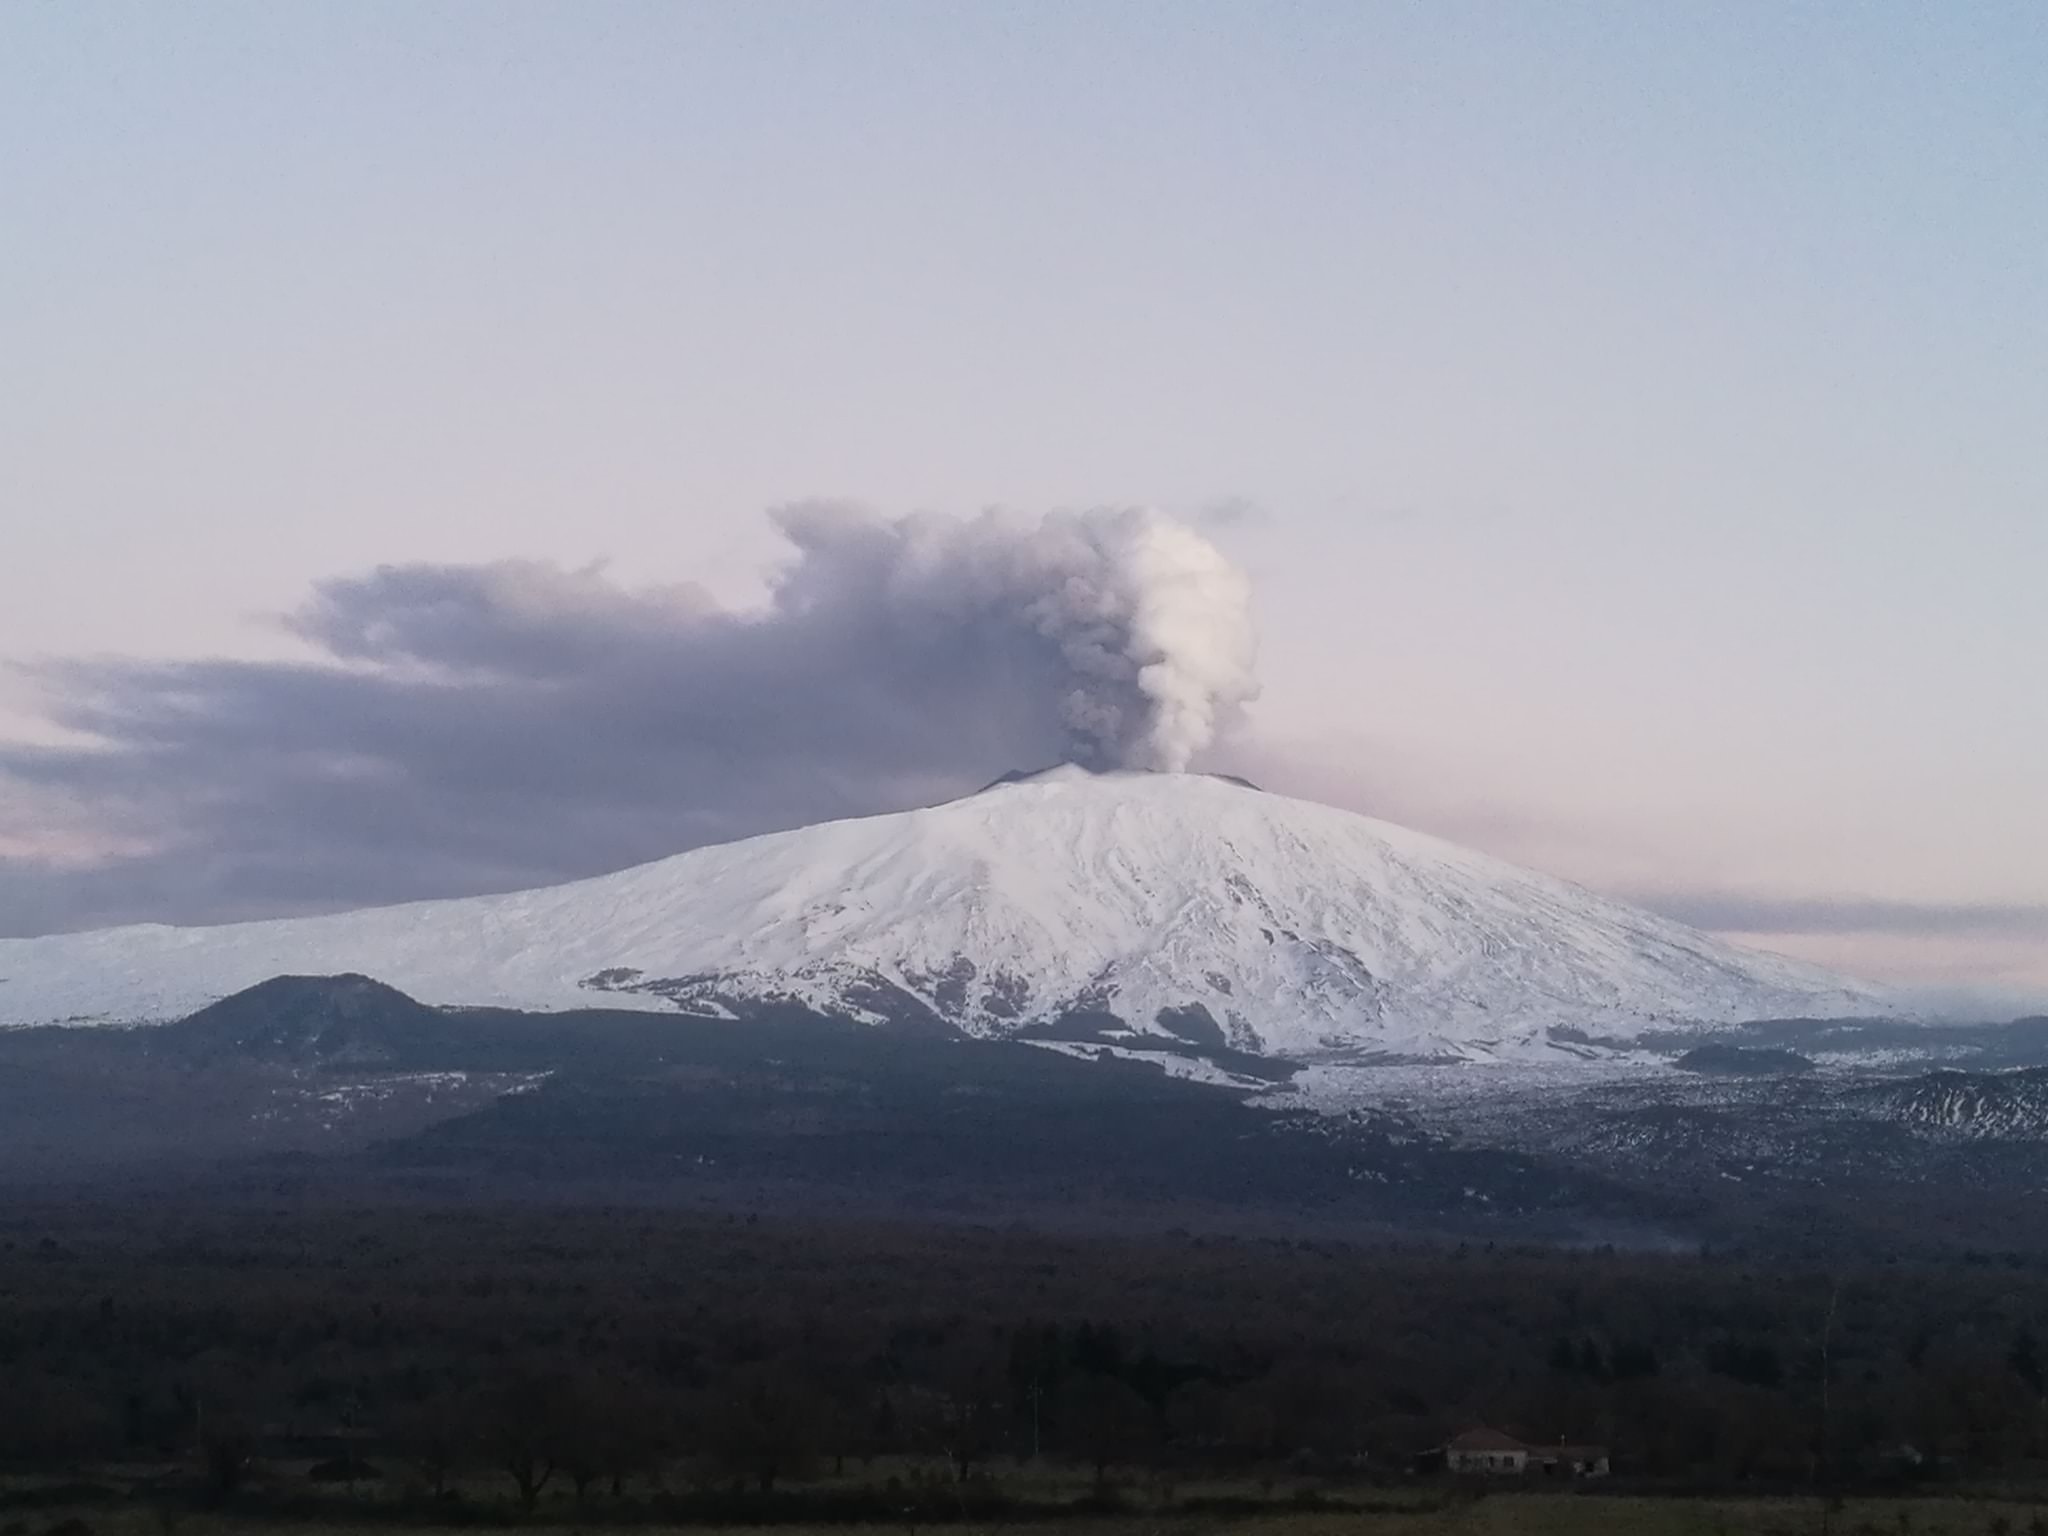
1149,624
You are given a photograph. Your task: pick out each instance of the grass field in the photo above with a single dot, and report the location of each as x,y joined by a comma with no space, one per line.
1423,1515
1048,1499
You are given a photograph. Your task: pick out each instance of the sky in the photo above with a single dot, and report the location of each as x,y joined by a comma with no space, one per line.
1630,420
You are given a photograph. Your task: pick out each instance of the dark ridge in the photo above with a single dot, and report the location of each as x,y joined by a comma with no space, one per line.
2003,1103
1016,776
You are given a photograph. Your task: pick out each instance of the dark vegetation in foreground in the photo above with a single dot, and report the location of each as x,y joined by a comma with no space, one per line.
302,1358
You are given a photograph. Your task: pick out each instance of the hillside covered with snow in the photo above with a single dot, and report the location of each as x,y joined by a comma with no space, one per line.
1065,903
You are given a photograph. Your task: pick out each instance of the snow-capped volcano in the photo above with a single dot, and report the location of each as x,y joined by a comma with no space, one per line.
1175,905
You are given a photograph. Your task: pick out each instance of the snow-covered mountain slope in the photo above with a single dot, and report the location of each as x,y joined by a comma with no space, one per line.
1181,904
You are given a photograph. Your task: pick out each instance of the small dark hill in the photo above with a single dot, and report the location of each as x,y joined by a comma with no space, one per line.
1743,1061
304,1021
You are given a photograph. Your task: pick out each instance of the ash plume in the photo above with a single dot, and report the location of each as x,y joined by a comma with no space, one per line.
1148,622
463,728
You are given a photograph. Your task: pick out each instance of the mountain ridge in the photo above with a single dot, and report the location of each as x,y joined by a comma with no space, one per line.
1085,905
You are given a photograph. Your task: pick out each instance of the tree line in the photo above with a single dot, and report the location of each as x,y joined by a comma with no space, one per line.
564,1350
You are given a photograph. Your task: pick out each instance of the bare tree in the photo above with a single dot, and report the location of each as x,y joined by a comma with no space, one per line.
1105,1423
434,1437
522,1429
963,1419
763,1425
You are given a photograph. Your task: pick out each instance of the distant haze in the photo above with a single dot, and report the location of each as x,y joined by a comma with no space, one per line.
1622,423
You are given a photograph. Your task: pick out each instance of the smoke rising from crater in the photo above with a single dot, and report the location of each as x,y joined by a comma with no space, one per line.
477,727
1149,623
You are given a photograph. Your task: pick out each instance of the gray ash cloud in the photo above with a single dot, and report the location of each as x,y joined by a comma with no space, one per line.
475,727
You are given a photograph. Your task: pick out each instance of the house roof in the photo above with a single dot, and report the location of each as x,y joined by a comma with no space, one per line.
1484,1439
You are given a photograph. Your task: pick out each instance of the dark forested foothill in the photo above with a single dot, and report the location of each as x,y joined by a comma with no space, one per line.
1747,1149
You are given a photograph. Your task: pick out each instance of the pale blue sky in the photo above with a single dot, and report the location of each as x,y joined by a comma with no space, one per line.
1644,407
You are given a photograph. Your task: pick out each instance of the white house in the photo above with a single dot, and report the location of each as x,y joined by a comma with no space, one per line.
1487,1450
1492,1453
